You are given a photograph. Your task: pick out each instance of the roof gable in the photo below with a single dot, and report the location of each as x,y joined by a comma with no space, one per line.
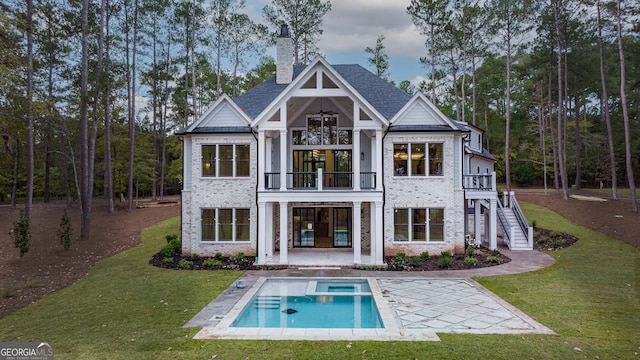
378,98
420,112
223,114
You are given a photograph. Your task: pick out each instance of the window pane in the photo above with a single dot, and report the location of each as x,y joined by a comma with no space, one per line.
330,131
242,225
226,160
299,137
208,160
400,157
314,133
417,159
419,225
208,224
242,160
435,159
401,225
345,137
436,224
225,224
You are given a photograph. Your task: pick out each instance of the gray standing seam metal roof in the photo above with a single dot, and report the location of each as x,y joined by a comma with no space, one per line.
384,97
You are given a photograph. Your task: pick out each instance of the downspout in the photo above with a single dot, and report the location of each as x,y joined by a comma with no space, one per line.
180,138
384,190
465,137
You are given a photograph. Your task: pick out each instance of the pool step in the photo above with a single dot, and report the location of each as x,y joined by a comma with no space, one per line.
267,302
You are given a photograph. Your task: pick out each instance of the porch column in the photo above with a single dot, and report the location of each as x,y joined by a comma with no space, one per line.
356,160
283,160
284,234
357,233
262,233
377,234
261,158
379,154
268,149
268,229
493,214
476,220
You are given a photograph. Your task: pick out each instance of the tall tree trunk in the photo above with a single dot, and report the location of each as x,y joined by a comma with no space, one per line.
561,156
132,119
30,152
507,135
578,181
16,166
625,112
605,109
85,201
96,100
107,118
154,108
556,183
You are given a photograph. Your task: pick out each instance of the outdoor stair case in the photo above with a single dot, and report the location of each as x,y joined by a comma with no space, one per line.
517,234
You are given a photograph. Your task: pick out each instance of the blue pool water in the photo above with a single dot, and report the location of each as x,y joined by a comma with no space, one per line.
304,303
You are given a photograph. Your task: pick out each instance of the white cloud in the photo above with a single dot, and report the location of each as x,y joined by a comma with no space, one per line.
353,25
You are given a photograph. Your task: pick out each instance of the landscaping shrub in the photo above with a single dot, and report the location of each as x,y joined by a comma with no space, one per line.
492,259
445,254
167,260
415,261
444,261
22,234
218,256
240,260
185,264
399,262
211,262
470,261
544,240
425,255
173,246
555,234
65,231
471,251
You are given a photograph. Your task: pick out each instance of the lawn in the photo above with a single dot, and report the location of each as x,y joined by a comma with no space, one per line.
126,309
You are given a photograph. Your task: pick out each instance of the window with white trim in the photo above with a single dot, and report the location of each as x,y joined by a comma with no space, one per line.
417,159
418,224
225,224
225,160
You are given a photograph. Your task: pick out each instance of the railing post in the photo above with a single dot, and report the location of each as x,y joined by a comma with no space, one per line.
319,180
530,237
494,186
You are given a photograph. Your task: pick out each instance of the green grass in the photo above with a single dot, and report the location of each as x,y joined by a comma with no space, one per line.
126,309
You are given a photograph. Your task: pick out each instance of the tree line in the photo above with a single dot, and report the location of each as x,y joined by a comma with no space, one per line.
90,91
547,81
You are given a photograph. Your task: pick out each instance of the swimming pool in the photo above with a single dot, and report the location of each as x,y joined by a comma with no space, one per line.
311,303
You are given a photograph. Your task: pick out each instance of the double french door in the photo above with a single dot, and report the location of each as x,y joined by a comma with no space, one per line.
322,227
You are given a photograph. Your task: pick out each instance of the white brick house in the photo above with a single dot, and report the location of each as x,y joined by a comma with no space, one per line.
325,158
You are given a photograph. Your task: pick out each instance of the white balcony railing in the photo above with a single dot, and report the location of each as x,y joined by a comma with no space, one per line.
320,180
480,182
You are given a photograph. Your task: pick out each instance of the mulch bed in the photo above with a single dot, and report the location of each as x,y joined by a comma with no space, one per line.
544,240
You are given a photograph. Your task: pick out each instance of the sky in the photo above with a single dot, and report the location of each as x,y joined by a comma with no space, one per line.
353,25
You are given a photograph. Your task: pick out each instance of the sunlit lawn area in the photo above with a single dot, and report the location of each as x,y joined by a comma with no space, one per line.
127,309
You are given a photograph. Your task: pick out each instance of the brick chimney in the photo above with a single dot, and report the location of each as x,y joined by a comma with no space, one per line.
284,54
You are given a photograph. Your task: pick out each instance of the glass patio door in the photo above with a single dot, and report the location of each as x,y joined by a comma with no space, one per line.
303,227
342,227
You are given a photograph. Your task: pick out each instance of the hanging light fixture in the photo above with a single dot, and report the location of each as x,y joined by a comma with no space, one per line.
322,112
